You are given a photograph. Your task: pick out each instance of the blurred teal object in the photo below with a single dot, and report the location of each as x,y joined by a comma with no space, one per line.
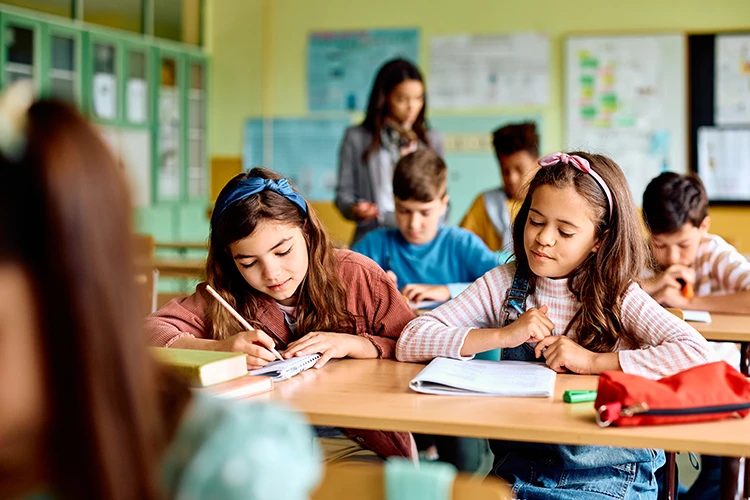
235,450
429,481
493,355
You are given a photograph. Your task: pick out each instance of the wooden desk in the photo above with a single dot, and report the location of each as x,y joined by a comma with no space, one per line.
729,328
182,245
375,394
175,268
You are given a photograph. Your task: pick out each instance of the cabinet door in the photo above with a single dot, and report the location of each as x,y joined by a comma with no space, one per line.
197,169
21,50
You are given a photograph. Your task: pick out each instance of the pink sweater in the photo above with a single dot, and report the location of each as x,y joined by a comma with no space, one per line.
667,344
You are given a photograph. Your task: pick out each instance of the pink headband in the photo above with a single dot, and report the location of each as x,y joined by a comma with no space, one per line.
581,164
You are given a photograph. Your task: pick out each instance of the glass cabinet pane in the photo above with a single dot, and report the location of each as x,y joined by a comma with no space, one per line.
169,133
137,88
19,43
197,171
104,82
62,75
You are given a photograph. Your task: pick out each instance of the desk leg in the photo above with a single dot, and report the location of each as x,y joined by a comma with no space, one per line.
670,476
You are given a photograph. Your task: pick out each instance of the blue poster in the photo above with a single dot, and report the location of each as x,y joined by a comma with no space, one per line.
304,150
341,65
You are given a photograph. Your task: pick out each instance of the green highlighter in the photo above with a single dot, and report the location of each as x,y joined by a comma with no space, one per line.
579,396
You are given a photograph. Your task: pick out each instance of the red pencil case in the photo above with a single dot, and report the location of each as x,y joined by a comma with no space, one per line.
712,391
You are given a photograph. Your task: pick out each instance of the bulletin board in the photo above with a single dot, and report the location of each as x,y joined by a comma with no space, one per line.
719,72
625,96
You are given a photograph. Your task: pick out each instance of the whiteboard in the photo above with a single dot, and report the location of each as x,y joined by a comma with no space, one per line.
625,97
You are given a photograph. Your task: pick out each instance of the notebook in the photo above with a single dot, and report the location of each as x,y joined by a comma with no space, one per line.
202,368
697,316
238,388
485,378
282,370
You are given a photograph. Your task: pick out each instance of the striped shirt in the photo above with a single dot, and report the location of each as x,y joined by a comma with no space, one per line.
720,268
667,344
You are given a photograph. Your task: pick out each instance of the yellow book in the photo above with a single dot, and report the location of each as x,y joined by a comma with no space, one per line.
202,368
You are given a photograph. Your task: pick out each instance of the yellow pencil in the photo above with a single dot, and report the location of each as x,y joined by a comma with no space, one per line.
237,315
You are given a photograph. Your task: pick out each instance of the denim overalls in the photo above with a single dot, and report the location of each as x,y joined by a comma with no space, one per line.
562,472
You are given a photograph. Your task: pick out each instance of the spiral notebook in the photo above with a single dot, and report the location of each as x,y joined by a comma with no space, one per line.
283,370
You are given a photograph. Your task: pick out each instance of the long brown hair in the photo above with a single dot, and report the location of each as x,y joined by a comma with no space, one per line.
321,305
601,281
73,221
389,76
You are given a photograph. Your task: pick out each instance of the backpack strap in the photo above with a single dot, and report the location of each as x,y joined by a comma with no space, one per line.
515,298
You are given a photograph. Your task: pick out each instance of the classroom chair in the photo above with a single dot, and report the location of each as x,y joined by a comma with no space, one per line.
367,482
147,276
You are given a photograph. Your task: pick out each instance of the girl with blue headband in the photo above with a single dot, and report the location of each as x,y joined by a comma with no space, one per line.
271,259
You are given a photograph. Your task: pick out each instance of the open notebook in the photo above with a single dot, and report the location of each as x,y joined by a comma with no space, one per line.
485,378
282,370
696,316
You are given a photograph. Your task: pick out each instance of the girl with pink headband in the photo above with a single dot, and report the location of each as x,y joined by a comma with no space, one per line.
570,300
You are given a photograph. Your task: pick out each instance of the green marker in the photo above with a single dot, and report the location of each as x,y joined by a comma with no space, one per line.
579,396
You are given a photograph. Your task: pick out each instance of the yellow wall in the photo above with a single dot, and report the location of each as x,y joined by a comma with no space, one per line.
259,55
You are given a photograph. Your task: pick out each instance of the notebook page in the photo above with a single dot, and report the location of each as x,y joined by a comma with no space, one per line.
282,370
503,378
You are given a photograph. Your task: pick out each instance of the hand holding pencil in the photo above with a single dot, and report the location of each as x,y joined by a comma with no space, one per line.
258,345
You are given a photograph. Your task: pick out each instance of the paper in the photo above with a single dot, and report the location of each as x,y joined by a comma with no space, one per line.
304,150
426,304
625,98
696,316
732,80
724,163
137,100
288,368
104,90
485,378
341,65
489,70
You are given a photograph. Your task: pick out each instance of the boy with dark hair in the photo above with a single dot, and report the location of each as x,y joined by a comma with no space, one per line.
517,149
694,269
428,261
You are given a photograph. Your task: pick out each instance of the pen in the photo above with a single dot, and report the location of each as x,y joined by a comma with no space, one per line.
579,396
516,307
238,317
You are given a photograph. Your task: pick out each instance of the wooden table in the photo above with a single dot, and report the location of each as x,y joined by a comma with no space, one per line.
182,245
181,268
375,394
731,328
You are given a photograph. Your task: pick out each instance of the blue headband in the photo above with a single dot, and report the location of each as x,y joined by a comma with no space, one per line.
255,185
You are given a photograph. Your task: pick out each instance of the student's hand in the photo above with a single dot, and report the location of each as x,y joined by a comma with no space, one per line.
392,277
331,345
669,279
365,210
531,326
562,355
255,344
672,297
418,292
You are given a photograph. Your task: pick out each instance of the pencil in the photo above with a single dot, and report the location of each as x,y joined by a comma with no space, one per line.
237,316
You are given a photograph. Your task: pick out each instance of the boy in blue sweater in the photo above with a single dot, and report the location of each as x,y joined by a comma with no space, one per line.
428,261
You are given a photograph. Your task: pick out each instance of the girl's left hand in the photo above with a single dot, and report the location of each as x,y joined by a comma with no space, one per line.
328,344
562,354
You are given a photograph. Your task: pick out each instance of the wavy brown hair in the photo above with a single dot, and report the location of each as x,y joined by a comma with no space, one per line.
601,281
67,223
321,304
389,76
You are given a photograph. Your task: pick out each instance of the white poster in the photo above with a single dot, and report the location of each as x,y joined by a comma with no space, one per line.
724,163
732,84
105,95
489,70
